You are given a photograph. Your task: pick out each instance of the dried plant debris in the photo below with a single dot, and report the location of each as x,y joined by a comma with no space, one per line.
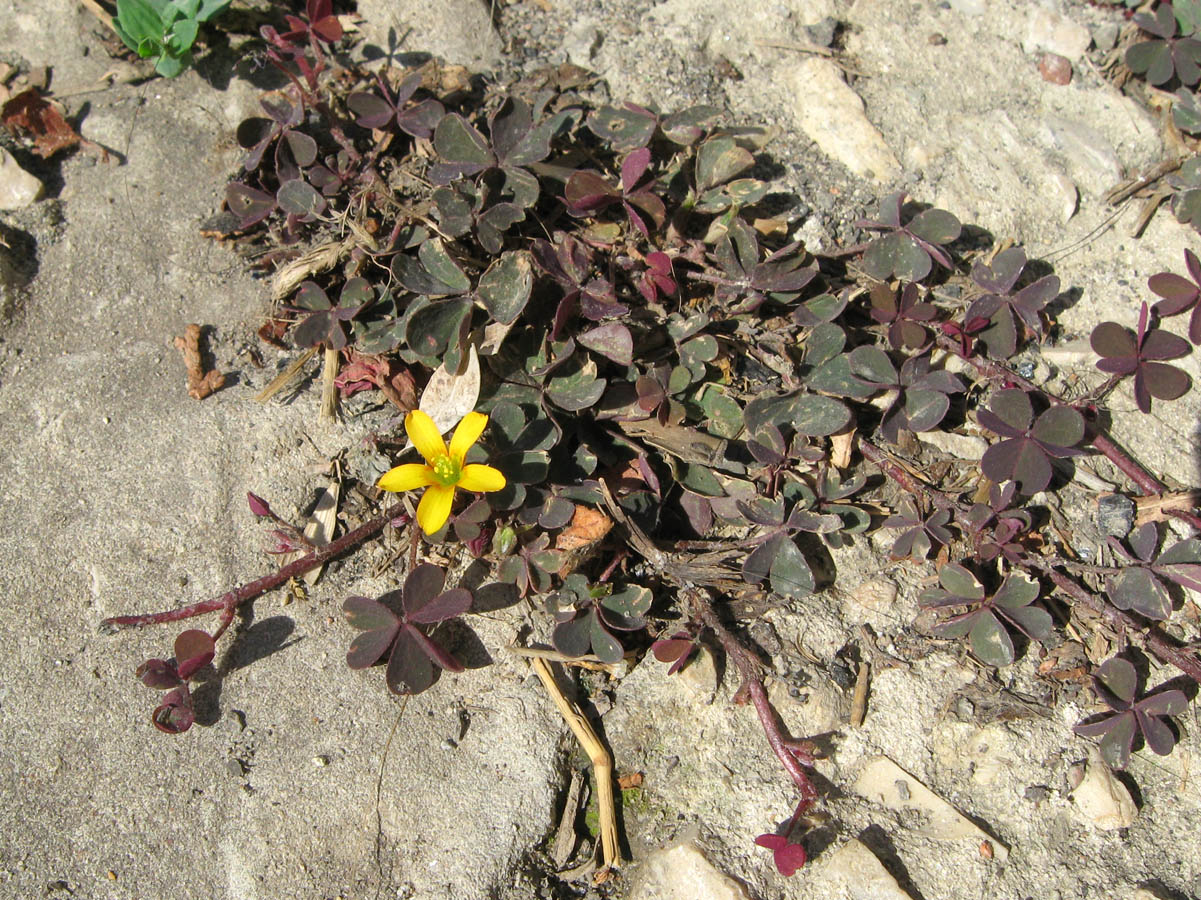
202,381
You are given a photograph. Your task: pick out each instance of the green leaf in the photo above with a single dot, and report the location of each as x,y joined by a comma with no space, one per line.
834,377
701,480
140,21
183,36
718,160
298,197
811,415
723,412
439,263
459,142
433,328
790,574
959,582
210,8
575,386
505,287
625,129
872,365
936,226
896,255
991,641
611,340
825,342
1136,589
1016,591
606,647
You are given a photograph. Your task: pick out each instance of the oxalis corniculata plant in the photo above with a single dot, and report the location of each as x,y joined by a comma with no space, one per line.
676,405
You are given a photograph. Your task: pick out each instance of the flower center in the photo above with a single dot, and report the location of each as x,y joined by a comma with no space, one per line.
446,471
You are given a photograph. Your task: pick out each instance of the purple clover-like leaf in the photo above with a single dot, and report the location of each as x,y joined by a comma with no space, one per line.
393,626
1139,354
1172,54
1030,443
984,623
919,534
904,315
1003,308
1116,684
788,857
1180,294
907,251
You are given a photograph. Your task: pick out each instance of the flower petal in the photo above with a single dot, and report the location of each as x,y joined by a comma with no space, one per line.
434,508
425,435
408,477
467,433
481,478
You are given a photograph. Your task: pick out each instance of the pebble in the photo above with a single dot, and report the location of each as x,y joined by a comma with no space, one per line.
820,707
1115,514
1090,158
1055,68
960,446
700,675
1105,37
832,116
18,189
969,7
822,32
582,42
682,872
1050,31
881,782
1102,798
878,595
858,874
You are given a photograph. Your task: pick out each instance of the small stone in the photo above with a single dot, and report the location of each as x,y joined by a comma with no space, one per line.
854,872
960,446
936,39
700,675
877,595
1105,37
1055,33
969,7
832,115
18,189
881,782
822,33
681,872
1102,797
1055,68
321,761
582,42
1037,794
1115,514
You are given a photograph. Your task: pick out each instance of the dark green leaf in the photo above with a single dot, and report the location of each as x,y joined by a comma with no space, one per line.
505,287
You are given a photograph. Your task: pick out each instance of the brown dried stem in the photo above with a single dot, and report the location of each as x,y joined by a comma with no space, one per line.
201,382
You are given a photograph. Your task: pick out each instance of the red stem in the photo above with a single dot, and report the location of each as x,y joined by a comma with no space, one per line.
1130,467
231,600
790,752
1156,642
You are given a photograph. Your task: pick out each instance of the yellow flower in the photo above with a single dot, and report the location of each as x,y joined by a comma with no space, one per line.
443,470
